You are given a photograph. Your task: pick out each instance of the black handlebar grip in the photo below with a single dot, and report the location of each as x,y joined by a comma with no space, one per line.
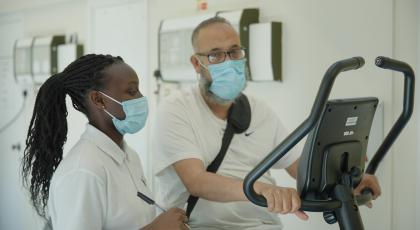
361,62
364,197
392,64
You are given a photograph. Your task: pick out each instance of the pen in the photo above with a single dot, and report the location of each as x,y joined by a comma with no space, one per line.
152,202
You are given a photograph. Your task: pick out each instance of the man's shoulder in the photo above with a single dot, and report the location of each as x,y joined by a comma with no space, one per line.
258,106
179,98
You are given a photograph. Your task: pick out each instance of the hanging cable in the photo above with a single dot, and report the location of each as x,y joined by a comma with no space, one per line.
25,94
157,74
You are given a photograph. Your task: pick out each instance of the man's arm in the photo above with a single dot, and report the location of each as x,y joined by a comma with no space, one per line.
207,185
211,186
293,168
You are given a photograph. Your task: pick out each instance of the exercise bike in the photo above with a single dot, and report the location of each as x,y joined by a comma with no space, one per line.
332,163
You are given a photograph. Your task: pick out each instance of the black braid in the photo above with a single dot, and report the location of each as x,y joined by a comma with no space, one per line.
48,127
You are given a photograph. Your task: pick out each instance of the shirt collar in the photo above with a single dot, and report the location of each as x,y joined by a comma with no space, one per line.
203,103
105,143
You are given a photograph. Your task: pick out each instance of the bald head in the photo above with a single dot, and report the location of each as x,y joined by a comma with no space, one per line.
211,22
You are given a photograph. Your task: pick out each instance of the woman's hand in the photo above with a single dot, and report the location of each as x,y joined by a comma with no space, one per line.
173,219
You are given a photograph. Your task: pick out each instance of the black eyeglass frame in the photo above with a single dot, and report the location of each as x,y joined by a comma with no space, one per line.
225,53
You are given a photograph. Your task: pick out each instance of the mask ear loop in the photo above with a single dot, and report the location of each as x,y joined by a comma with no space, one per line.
199,62
112,116
110,97
198,76
202,65
103,107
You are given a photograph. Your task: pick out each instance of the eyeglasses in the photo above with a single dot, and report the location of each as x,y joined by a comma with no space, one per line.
216,57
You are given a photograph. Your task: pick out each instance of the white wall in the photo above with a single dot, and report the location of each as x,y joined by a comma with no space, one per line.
315,34
36,18
12,25
110,22
418,120
404,154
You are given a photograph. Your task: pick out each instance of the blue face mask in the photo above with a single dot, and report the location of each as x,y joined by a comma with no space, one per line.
228,78
136,111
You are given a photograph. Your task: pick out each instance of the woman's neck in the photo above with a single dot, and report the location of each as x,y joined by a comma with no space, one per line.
111,132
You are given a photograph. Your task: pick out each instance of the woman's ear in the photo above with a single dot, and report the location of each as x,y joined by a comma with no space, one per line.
195,63
96,99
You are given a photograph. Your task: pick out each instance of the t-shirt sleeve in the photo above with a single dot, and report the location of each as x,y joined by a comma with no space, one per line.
174,136
78,201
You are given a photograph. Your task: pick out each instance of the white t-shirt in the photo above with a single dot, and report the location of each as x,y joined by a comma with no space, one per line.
187,128
93,188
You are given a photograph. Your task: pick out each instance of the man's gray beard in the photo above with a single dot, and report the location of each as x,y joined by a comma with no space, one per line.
204,85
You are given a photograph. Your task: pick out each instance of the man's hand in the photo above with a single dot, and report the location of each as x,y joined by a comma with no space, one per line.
369,181
281,200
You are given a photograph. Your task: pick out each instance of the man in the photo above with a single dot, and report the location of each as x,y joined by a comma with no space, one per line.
190,127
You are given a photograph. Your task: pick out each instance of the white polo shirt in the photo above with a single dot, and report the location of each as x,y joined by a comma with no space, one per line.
187,128
93,188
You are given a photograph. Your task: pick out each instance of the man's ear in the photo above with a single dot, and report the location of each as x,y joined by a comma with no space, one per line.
96,99
195,63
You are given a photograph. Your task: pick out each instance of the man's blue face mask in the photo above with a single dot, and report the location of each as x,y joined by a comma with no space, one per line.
136,111
228,78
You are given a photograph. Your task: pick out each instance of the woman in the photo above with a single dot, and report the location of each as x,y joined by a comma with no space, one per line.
96,185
